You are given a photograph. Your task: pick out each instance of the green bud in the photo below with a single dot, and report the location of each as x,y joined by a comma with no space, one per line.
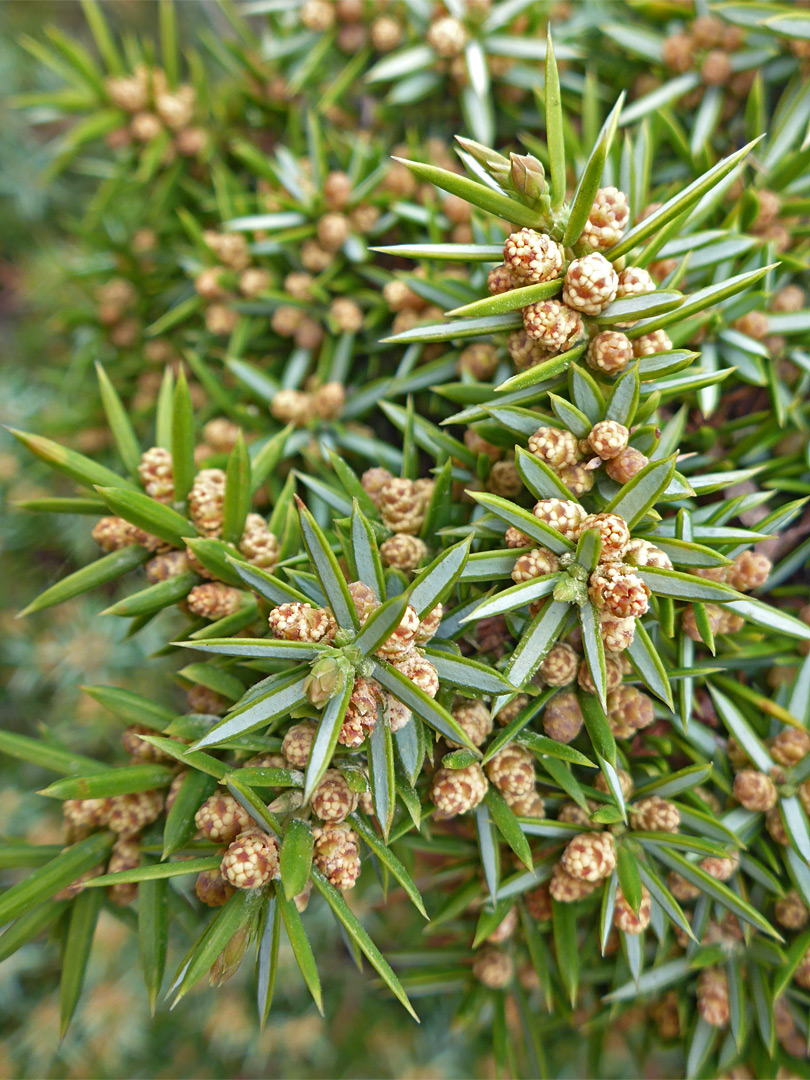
327,677
287,802
528,176
569,591
490,159
228,961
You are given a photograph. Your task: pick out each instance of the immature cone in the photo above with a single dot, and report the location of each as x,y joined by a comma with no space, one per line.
265,761
524,351
607,220
374,482
478,445
608,439
721,869
494,968
650,344
83,815
474,718
505,928
133,743
613,676
479,359
507,713
403,504
629,921
617,634
221,319
512,770
337,190
212,888
336,855
629,705
429,625
559,668
689,624
258,544
500,280
333,231
791,298
145,127
129,814
333,799
590,857
504,480
534,564
420,671
292,407
156,475
361,714
532,257
627,464
397,714
562,718
221,818
214,600
655,814
755,790
590,284
113,533
566,889
564,515
447,37
403,552
634,281
386,34
625,783
129,93
553,325
609,352
572,814
251,860
455,791
168,565
643,553
749,570
297,743
346,314
400,641
555,447
253,282
329,399
614,534
790,911
538,903
680,888
126,855
712,997
206,501
364,600
619,590
802,973
300,622
530,805
790,746
577,478
77,886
